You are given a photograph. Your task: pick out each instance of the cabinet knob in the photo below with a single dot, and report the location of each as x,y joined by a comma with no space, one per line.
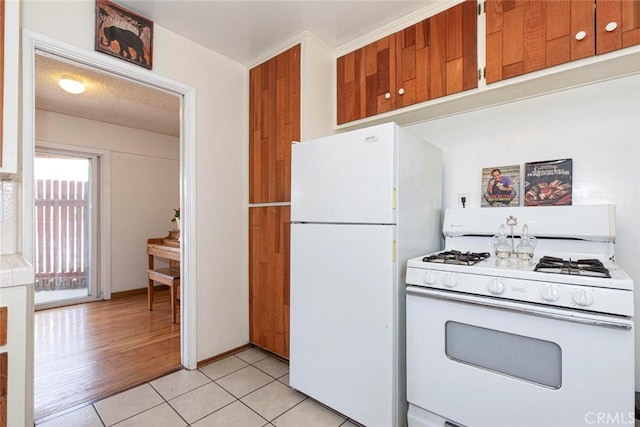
387,95
580,35
611,26
401,91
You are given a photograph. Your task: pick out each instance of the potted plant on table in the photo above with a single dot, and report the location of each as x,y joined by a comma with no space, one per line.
176,218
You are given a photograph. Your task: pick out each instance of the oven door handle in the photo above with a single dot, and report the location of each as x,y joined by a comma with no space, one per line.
516,307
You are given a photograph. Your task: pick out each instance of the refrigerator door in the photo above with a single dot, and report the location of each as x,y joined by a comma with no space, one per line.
343,345
345,178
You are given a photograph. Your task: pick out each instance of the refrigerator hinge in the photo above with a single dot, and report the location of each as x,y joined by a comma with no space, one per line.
394,251
395,198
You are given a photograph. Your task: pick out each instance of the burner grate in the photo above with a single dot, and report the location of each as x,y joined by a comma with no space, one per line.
581,267
457,257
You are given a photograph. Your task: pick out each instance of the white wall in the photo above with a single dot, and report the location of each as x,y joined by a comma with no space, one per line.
598,126
221,152
144,188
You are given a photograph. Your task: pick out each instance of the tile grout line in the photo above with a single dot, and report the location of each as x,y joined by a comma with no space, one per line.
167,402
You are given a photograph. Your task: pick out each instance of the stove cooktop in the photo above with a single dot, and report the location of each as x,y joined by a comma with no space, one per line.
555,268
580,267
457,257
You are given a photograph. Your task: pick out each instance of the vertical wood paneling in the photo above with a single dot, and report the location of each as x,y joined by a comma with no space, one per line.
3,325
558,18
630,23
608,11
274,122
534,52
4,382
558,28
269,236
582,19
512,50
342,97
438,66
626,13
470,45
453,20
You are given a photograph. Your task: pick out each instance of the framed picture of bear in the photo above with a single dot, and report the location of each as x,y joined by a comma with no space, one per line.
123,34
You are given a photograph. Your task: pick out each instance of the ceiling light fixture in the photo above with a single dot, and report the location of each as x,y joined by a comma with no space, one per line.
71,85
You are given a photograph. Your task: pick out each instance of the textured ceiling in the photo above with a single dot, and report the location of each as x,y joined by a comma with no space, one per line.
107,98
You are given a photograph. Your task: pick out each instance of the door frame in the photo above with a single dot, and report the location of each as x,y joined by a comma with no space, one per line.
32,42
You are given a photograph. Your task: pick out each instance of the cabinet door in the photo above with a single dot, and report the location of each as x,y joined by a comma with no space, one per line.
527,36
269,243
364,80
432,58
274,121
617,24
437,57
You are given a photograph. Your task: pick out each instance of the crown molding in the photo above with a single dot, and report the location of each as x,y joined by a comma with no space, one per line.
434,7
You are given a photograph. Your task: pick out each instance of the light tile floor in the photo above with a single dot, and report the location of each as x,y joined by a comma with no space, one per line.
248,389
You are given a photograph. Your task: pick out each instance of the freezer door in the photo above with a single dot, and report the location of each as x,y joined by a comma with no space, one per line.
343,345
345,178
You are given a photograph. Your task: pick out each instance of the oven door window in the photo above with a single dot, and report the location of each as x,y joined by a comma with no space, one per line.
529,359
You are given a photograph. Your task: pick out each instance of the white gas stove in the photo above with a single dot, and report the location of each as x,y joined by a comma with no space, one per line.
587,238
546,324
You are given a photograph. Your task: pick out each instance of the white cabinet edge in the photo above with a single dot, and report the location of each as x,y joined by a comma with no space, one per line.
11,79
15,271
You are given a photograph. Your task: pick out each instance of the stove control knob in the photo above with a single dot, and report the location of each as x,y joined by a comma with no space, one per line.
495,286
583,298
450,281
429,277
550,293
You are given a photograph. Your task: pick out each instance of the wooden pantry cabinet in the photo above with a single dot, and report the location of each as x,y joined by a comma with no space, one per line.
274,117
522,37
430,59
278,95
274,121
269,242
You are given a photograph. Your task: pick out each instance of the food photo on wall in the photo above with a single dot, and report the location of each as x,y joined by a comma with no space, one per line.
548,183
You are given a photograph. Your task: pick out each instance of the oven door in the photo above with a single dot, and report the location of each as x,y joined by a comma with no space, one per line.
480,361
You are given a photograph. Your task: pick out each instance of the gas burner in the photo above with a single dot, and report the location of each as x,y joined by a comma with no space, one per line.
581,267
457,257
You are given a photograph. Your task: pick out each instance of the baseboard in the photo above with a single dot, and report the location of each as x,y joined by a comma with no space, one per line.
223,355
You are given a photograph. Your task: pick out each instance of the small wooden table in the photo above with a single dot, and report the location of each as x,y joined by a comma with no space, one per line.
167,248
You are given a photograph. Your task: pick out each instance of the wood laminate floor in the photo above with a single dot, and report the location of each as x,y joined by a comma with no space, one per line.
88,351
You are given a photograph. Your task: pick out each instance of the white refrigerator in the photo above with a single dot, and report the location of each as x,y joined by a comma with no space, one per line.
362,203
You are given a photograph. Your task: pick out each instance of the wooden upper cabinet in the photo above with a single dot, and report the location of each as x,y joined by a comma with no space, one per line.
427,60
617,24
438,56
364,79
526,36
274,121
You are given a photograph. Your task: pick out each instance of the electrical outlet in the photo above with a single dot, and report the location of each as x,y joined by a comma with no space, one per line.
463,200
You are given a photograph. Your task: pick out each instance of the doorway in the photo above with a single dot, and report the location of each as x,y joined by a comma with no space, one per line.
33,43
67,213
